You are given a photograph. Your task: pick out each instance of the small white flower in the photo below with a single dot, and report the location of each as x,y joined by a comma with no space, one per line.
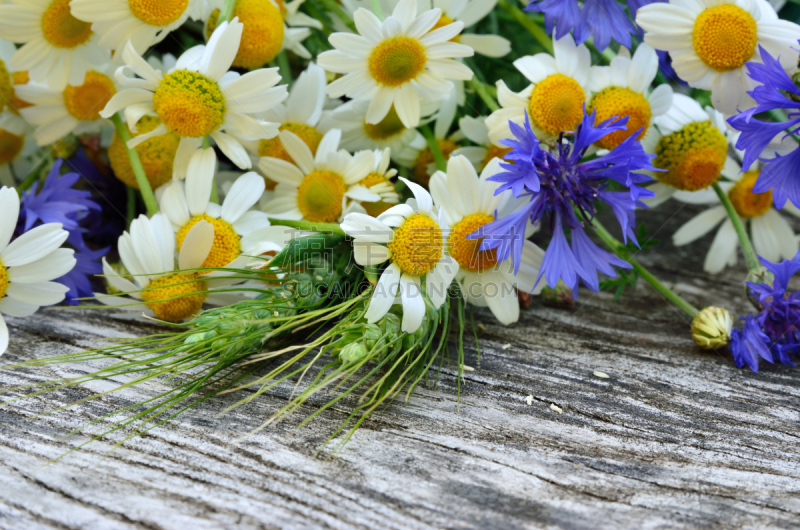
556,97
143,22
200,97
411,237
710,41
469,202
317,187
58,48
394,61
29,264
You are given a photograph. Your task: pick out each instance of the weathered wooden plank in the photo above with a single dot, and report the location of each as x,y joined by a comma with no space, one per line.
675,436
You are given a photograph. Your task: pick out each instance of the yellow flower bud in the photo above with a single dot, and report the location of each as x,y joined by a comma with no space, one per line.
711,328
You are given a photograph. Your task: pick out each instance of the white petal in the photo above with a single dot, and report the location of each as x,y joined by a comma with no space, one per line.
199,179
37,294
244,193
33,245
384,294
196,246
9,214
413,303
54,265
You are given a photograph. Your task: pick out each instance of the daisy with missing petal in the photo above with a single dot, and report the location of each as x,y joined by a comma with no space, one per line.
710,41
317,187
199,97
392,62
158,288
411,237
772,236
622,90
691,146
75,109
379,182
404,142
555,99
476,131
143,22
58,49
29,264
468,203
187,204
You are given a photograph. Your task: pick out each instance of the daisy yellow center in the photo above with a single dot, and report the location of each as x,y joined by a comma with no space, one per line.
3,280
396,61
417,245
156,154
693,157
189,103
158,12
493,152
61,29
746,203
6,86
10,146
557,104
621,102
262,35
227,244
274,147
425,159
175,297
320,195
466,251
375,208
15,103
443,21
725,37
386,128
84,102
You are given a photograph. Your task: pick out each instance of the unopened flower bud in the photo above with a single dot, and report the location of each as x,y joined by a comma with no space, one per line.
711,328
353,352
65,148
559,296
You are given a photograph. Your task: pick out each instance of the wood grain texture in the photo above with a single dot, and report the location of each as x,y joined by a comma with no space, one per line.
674,438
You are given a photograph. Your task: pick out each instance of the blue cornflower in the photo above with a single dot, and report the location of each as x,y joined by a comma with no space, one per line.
776,91
88,265
563,187
774,332
56,202
602,19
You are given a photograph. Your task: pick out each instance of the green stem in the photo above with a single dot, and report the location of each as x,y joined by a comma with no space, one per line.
138,170
33,175
337,10
376,8
433,145
214,191
310,226
481,89
226,13
131,205
750,256
532,27
285,67
619,249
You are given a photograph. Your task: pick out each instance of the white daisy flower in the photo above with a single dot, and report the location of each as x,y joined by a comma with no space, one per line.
710,41
317,187
691,145
555,99
622,90
392,62
476,131
29,264
772,236
379,182
199,97
73,110
468,203
58,48
143,22
411,237
147,251
301,115
187,204
404,142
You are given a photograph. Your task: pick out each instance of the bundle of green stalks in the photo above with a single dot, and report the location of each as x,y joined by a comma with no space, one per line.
307,319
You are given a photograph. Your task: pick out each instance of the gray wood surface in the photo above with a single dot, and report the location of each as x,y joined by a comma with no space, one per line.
674,438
